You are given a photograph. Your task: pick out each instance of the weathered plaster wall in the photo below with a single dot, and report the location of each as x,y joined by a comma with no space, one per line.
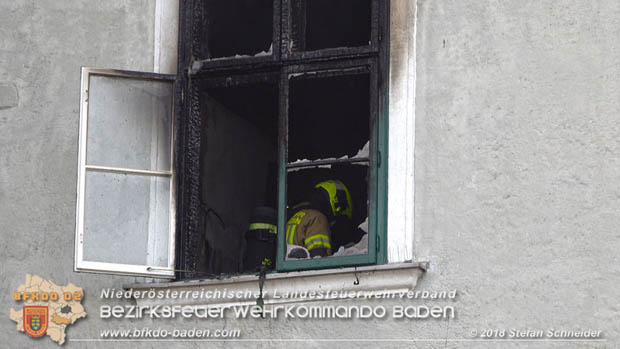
516,168
43,44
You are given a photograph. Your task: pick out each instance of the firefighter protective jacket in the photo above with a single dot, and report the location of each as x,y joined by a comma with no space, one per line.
310,228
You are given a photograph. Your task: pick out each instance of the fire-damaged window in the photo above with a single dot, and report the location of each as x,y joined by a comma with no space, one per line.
321,24
279,134
237,29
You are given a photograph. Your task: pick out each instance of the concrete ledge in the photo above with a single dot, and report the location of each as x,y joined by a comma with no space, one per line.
289,287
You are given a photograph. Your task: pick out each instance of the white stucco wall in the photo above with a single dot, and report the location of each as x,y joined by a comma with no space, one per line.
43,44
517,106
516,169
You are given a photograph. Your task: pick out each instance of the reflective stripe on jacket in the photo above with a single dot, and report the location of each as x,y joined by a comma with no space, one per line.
309,228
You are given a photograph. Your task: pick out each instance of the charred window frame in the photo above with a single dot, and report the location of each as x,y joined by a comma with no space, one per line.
289,56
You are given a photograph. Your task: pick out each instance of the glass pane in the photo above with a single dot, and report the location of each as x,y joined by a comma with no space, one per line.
321,24
329,117
129,123
126,219
238,28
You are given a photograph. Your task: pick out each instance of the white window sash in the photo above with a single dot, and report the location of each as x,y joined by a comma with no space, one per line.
81,265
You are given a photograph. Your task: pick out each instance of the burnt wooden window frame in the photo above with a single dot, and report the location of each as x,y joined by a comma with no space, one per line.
283,61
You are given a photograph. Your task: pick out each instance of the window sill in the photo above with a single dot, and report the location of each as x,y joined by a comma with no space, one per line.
283,287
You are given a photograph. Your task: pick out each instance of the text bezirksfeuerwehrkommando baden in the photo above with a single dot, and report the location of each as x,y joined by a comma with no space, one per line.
295,311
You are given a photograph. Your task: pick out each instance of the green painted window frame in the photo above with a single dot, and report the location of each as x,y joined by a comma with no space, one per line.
377,186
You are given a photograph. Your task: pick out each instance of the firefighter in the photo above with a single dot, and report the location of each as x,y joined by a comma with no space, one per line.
261,239
310,221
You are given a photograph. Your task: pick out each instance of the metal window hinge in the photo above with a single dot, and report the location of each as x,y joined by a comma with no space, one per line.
378,159
182,95
378,243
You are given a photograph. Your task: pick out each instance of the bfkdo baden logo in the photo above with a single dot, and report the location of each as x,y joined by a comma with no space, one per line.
48,309
35,320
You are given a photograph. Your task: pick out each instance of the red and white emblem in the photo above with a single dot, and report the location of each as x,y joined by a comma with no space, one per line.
36,319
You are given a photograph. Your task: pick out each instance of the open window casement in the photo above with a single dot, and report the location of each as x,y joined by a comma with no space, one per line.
125,204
